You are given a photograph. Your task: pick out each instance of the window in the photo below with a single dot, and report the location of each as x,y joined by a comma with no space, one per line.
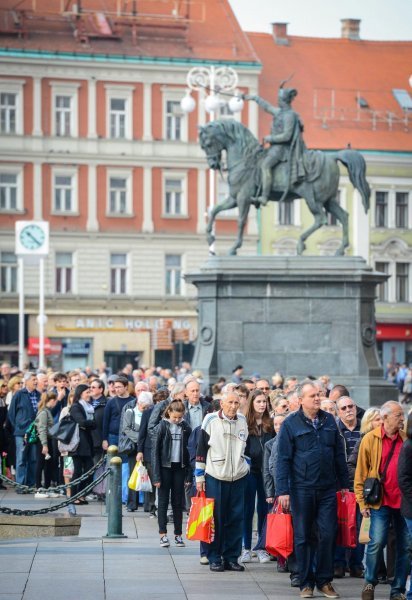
117,118
119,111
11,106
382,267
9,196
64,192
285,213
174,196
8,112
8,272
381,209
119,193
173,275
64,120
403,98
118,273
63,113
402,282
174,118
64,272
401,208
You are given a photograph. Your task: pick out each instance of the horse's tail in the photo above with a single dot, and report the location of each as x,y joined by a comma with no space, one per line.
356,165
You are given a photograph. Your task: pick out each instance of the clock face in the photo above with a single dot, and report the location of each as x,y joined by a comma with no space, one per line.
32,237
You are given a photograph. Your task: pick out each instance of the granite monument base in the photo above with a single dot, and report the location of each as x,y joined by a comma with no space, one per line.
297,315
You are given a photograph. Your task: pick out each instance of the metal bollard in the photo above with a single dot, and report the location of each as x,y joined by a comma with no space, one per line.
114,500
112,451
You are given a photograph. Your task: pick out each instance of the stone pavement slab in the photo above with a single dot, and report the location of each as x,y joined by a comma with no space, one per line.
92,567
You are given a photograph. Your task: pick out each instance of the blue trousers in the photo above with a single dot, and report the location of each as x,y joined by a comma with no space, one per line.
309,507
355,555
378,534
254,485
25,462
228,515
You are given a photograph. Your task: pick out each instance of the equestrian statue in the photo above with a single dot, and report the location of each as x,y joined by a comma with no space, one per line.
284,171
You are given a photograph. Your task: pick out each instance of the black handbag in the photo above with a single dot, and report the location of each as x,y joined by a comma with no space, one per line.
372,487
64,429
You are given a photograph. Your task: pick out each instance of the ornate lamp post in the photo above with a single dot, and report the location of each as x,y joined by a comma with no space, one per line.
216,80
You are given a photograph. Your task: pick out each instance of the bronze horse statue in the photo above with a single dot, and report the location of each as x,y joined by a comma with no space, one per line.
318,188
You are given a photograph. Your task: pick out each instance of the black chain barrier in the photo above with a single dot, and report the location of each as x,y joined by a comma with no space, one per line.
70,500
57,488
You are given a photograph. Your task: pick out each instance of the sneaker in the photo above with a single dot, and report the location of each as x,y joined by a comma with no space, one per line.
246,556
164,541
41,495
204,560
263,556
307,592
368,592
90,498
253,553
329,591
179,541
54,495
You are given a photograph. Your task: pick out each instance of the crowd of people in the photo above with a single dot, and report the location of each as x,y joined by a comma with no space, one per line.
252,445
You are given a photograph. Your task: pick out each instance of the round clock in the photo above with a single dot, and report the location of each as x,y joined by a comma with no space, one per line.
32,237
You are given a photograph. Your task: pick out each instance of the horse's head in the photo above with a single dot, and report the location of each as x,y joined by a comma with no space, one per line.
212,144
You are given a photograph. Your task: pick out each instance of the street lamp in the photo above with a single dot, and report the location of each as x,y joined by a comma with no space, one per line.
216,80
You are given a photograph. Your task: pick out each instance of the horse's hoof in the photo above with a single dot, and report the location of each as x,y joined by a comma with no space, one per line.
340,252
212,253
300,248
232,252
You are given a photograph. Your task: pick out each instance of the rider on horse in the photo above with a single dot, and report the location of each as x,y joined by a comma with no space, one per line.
286,142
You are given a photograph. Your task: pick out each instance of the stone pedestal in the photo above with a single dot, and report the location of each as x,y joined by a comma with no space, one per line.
297,315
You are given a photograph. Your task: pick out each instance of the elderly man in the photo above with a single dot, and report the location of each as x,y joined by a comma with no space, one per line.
221,470
349,427
378,458
311,466
196,407
22,412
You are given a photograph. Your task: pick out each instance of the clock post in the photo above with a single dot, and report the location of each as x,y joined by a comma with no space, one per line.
32,247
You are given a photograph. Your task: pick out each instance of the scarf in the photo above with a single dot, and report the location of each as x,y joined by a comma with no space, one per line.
88,408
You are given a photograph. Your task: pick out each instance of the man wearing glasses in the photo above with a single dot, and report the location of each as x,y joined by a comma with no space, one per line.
349,427
263,386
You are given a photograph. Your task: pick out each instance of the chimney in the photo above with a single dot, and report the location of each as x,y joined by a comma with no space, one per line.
280,33
350,29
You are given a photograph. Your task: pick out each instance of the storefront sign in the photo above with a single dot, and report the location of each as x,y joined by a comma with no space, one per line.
393,331
49,347
122,324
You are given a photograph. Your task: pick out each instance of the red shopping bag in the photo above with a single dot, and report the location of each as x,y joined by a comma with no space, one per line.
200,524
347,535
279,532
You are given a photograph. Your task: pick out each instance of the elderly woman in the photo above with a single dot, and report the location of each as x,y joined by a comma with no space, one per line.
329,406
129,435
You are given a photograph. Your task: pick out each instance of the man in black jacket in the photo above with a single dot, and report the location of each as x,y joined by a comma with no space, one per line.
311,467
98,401
22,412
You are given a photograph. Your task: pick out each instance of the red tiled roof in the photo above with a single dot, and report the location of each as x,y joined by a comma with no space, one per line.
327,69
202,29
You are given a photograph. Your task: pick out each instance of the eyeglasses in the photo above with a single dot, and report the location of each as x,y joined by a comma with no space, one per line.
347,407
263,389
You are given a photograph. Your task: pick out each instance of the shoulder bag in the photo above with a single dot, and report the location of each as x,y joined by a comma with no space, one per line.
372,487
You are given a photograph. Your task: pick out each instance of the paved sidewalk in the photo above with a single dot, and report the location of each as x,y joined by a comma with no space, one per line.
90,567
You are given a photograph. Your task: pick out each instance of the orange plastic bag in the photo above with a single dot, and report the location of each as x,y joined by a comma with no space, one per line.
279,532
200,524
347,534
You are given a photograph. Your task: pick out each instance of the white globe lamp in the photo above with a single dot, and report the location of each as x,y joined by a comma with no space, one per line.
188,104
236,104
212,103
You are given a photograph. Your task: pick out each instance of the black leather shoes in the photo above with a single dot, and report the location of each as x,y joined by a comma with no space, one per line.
216,567
233,566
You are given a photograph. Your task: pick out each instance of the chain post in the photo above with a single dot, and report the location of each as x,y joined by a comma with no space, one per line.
112,451
114,500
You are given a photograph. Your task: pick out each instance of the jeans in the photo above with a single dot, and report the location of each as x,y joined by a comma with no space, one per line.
25,462
82,464
409,525
355,554
254,485
378,534
228,515
309,507
172,483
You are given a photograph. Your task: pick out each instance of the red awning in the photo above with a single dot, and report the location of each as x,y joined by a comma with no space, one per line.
49,346
394,331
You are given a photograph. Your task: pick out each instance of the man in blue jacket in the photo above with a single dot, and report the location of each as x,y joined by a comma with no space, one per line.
22,412
311,467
